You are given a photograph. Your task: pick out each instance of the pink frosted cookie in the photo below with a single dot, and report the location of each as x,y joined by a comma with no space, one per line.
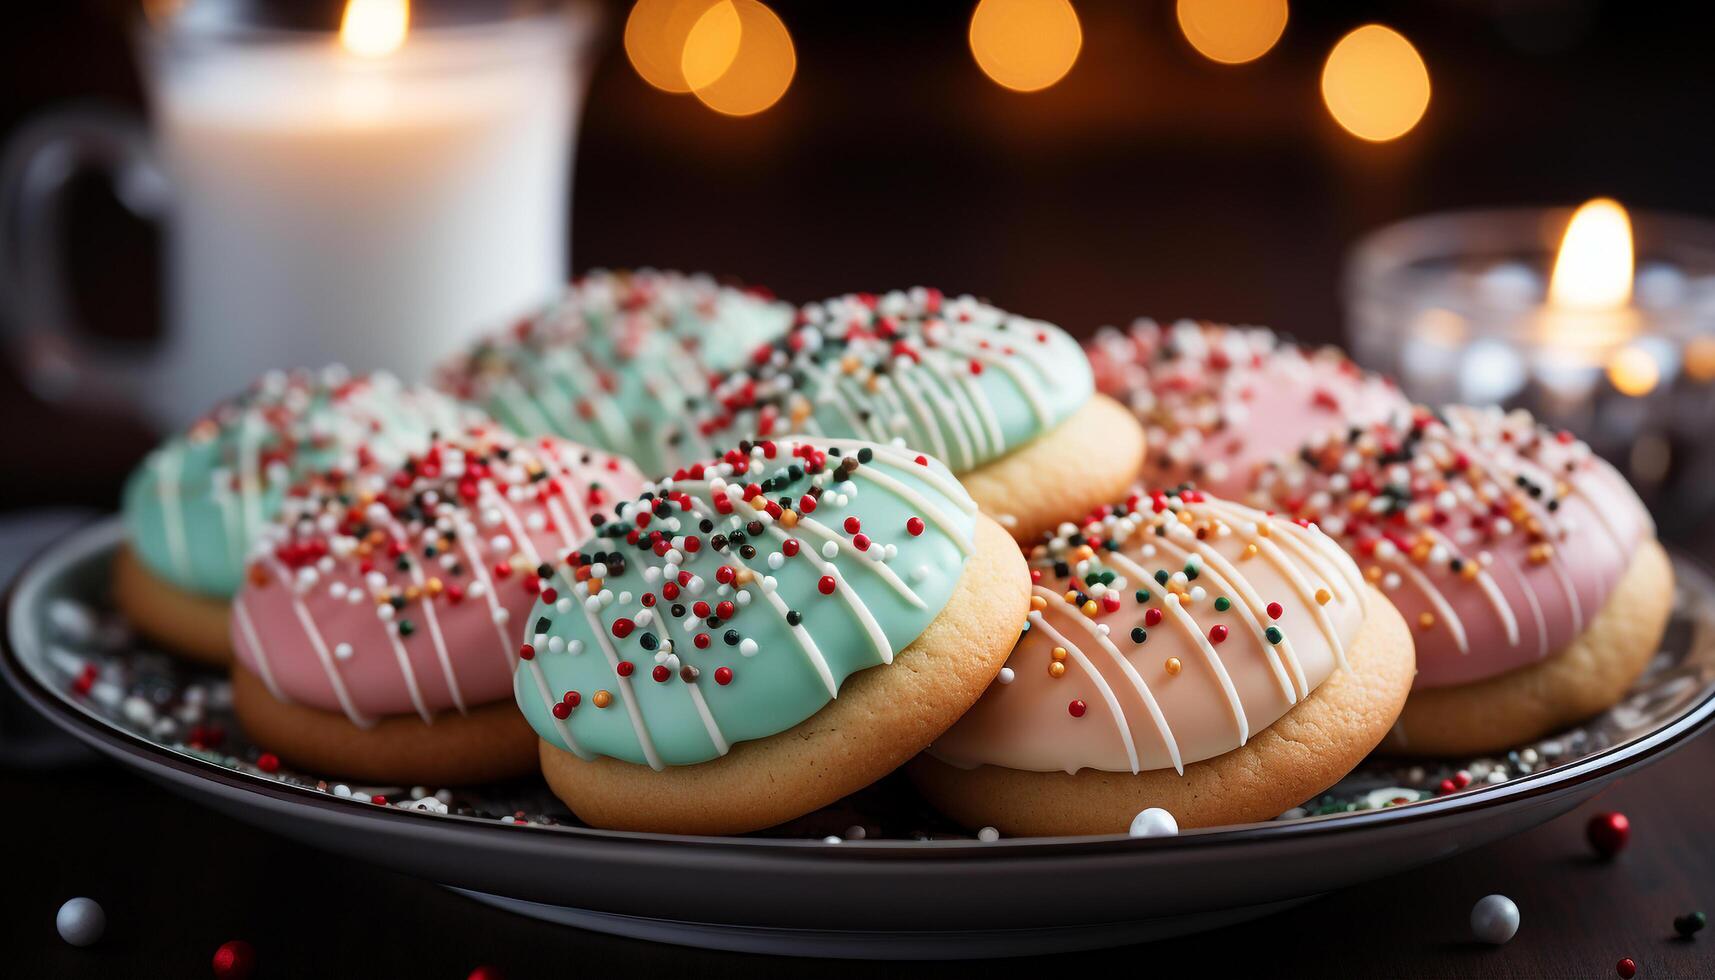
378,625
1181,653
1525,564
1217,401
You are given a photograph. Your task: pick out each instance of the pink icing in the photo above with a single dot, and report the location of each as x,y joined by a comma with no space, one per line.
1218,401
1498,540
1119,704
455,535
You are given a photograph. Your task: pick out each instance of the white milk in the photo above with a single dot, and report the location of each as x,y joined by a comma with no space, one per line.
376,212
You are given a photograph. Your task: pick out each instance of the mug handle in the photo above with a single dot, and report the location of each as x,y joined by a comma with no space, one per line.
57,358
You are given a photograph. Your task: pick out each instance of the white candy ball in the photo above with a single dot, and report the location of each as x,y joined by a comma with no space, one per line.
1494,919
1154,822
81,921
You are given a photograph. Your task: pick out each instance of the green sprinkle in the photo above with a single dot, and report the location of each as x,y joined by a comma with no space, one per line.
1222,604
1190,571
1273,634
406,627
1139,634
1161,576
1142,595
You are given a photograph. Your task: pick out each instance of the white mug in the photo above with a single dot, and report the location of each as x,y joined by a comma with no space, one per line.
320,205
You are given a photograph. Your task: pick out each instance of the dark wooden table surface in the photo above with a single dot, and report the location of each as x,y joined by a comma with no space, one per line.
178,880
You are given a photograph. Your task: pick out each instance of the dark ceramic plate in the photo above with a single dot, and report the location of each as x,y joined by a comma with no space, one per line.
875,876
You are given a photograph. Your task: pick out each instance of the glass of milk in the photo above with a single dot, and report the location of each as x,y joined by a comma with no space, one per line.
374,195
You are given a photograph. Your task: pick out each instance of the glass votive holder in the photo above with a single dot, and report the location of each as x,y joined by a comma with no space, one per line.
1458,307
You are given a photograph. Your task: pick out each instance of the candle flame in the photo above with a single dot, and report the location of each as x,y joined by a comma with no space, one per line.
1594,268
374,28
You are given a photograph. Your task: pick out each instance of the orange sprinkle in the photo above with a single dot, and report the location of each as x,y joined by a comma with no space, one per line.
1038,603
1058,653
1056,669
1323,596
1426,620
1173,666
602,699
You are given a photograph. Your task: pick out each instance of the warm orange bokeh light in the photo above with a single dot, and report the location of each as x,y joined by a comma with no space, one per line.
1025,45
1375,84
1232,31
374,28
1634,372
655,34
738,58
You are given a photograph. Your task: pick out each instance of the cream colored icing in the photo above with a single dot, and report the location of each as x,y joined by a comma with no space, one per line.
1205,582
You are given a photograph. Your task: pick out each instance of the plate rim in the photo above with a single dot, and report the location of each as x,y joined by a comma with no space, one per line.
92,539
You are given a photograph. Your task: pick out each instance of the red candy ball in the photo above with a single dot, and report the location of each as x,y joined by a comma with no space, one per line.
234,960
1626,968
1608,833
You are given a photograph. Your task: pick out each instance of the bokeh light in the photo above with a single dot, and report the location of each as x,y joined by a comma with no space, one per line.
1634,371
655,34
1232,32
1375,84
738,57
1025,45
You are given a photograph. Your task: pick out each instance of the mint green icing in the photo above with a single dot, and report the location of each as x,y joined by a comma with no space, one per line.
195,506
956,378
616,359
902,582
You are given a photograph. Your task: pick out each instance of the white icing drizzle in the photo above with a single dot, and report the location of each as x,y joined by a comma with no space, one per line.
710,725
1177,613
283,579
548,701
1225,577
1038,621
169,464
806,644
439,641
846,547
1535,608
627,695
247,628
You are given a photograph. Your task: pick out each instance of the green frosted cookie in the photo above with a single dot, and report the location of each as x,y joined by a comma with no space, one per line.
731,602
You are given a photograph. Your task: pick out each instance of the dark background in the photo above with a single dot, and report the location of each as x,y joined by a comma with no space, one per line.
1149,181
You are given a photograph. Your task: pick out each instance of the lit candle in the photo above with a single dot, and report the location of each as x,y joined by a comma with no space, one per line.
375,198
1588,317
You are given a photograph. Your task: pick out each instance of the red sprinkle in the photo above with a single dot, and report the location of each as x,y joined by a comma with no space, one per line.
1152,617
1275,610
660,673
853,525
268,762
624,668
723,676
914,526
526,652
622,627
826,585
1076,709
1217,633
